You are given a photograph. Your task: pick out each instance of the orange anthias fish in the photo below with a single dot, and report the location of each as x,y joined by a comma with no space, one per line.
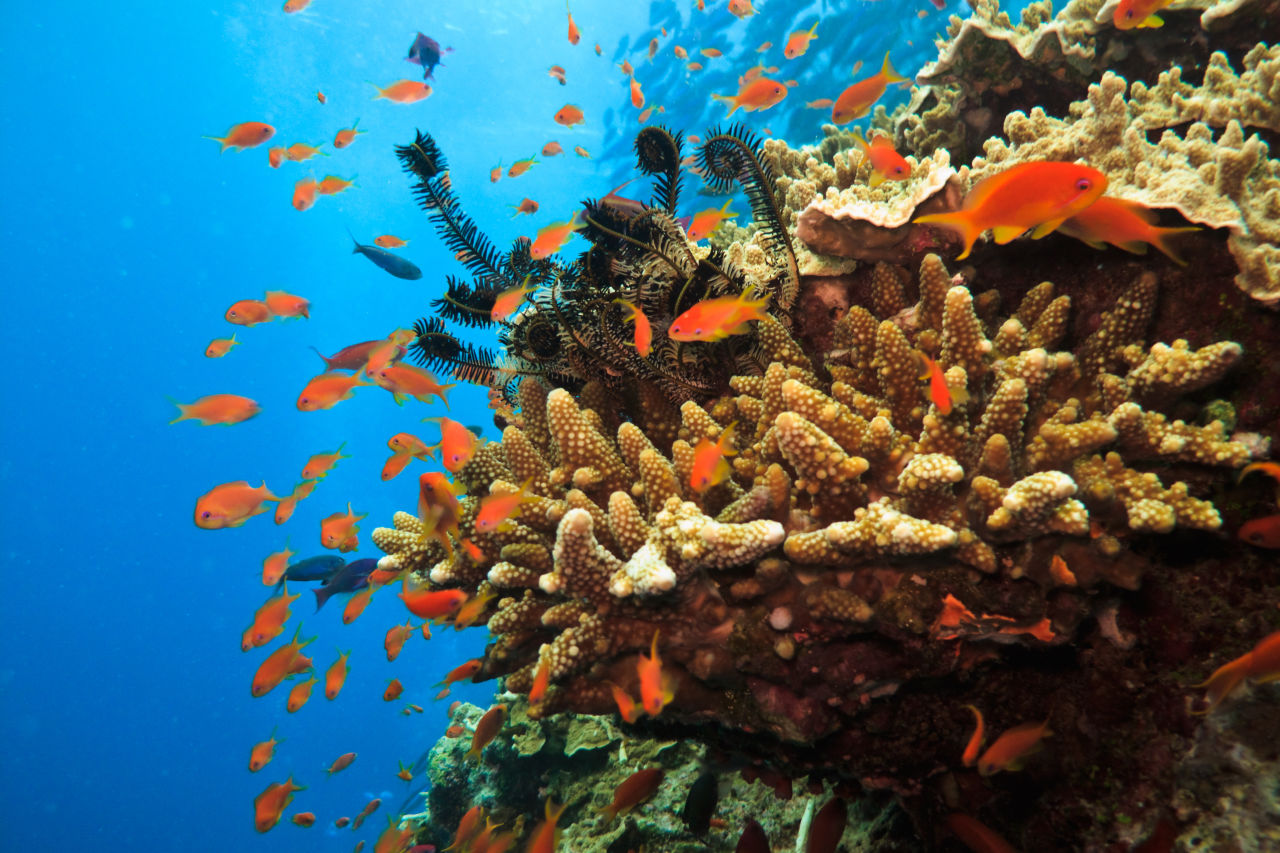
342,762
327,390
268,620
347,135
284,304
390,241
628,708
798,42
1134,14
457,444
541,681
644,331
857,100
262,753
280,664
387,351
546,836
431,603
655,686
395,838
332,185
717,319
472,609
519,167
710,468
405,773
886,163
275,156
741,8
557,73
304,193
248,312
581,152
460,672
404,448
222,409
970,756
1010,750
939,393
1124,224
291,6
526,206
569,115
231,505
506,302
758,94
976,835
319,465
248,134
339,530
299,695
305,819
575,35
634,790
300,152
496,510
551,149
705,222
393,691
358,602
284,509
488,727
396,637
271,803
275,565
551,238
637,96
1271,469
404,380
1260,664
218,347
404,91
1039,195
336,676
820,104
438,508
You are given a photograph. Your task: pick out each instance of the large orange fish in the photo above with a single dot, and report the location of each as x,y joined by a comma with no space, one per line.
283,304
405,380
506,302
438,509
390,241
248,312
552,238
643,332
488,727
705,222
299,695
546,836
634,790
1135,14
710,468
280,664
387,353
798,42
248,134
1010,750
758,94
457,444
431,603
396,637
304,193
405,447
496,510
717,319
393,691
404,91
358,602
1260,664
460,672
886,163
656,687
575,35
857,100
327,390
569,115
270,804
231,505
262,753
1037,196
347,135
269,619
339,530
222,409
1124,224
320,464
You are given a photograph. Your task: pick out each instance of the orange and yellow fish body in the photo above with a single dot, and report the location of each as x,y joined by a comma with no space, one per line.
711,52
395,838
221,409
474,551
1135,14
1037,196
438,508
680,52
717,319
472,609
506,302
404,91
468,826
347,135
758,94
332,185
1010,750
457,444
705,222
218,347
541,680
390,241
857,100
970,756
410,381
284,304
1260,664
939,392
431,603
304,193
886,163
575,35
633,791
395,639
280,664
336,676
300,152
546,836
644,331
248,312
710,467
405,773
488,727
628,708
798,42
262,753
275,566
342,762
339,530
655,688
393,691
569,115
526,206
637,96
299,695
284,509
495,175
386,353
741,8
395,463
496,510
405,447
551,149
358,602
269,619
461,671
270,804
327,390
319,465
248,134
519,167
1124,224
231,505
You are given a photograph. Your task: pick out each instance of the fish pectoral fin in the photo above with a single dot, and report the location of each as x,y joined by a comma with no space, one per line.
1137,247
1004,233
876,179
1153,21
1048,227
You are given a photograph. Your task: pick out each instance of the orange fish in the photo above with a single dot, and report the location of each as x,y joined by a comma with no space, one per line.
705,222
347,135
218,347
634,790
336,676
274,567
291,6
488,727
1261,664
581,152
262,753
626,68
717,319
798,42
342,822
1136,14
758,94
820,104
557,73
222,409
299,695
395,639
495,174
528,206
627,707
569,115
284,509
394,839
438,508
382,577
551,149
231,505
1271,469
473,551
506,302
319,465
575,35
977,836
680,52
275,156
970,755
461,672
387,352
457,444
268,620
369,808
541,680
339,530
393,691
322,99
1060,572
431,603
546,835
358,602
1124,224
710,52
552,238
405,447
270,804
741,8
939,393
304,819
644,332
694,66
342,762
655,686
332,185
405,773
390,241
1262,532
886,163
404,91
710,468
304,193
248,134
637,96
280,664
283,304
248,312
299,152
857,100
519,167
1010,750
496,510
327,390
1039,195
472,609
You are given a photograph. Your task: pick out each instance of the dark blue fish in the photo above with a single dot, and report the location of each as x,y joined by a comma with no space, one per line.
320,568
700,806
394,264
426,51
350,578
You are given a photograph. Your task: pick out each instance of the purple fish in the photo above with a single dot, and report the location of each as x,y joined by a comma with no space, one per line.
426,51
351,577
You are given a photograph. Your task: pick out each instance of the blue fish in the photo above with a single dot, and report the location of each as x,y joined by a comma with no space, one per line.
320,568
350,578
394,264
426,51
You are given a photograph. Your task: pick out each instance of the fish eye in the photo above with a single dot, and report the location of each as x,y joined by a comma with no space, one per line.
1084,184
1128,13
205,514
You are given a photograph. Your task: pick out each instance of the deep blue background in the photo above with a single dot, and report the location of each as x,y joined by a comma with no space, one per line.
124,698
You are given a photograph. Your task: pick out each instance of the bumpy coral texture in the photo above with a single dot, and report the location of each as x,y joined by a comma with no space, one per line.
859,517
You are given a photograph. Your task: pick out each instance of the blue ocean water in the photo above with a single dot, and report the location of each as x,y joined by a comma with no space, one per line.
123,692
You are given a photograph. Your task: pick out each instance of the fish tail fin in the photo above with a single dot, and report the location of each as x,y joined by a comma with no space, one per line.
732,102
328,362
1223,681
221,140
1161,242
890,74
358,247
182,409
957,221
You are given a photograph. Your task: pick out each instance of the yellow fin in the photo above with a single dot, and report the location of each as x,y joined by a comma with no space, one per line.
1045,228
1004,233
